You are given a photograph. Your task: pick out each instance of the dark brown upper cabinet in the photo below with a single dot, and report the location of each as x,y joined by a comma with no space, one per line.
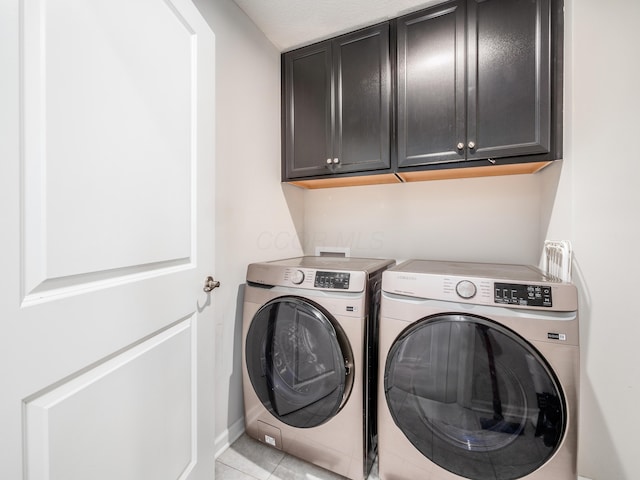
479,83
337,106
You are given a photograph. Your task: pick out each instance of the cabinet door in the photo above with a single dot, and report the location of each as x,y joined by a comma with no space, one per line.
363,97
509,78
431,85
308,111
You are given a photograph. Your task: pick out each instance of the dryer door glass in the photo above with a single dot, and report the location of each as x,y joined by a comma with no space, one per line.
474,397
299,361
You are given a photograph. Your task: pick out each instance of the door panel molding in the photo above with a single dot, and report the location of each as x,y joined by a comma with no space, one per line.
58,288
94,409
108,158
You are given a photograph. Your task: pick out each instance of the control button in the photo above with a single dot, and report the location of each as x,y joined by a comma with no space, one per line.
466,289
297,277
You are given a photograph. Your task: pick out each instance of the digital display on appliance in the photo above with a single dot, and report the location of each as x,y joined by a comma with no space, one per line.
336,280
524,295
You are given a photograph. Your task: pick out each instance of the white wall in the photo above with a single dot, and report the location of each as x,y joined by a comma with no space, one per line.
253,218
492,219
603,181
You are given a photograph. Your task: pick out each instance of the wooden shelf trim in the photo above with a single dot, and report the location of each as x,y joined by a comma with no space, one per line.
424,175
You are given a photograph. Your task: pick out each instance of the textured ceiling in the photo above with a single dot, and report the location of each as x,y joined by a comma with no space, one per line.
293,23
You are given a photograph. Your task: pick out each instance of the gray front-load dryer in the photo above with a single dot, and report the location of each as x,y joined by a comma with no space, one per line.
310,359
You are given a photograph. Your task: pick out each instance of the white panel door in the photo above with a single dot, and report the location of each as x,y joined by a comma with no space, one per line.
106,209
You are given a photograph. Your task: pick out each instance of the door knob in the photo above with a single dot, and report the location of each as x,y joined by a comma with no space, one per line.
210,284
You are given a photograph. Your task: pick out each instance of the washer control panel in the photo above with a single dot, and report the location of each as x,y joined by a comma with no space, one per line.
489,284
332,280
523,295
297,277
466,289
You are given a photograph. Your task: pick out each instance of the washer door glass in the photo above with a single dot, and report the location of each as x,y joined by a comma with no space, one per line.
299,361
474,397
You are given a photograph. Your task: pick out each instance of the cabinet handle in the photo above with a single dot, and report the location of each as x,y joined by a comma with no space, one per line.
336,160
460,146
329,162
471,145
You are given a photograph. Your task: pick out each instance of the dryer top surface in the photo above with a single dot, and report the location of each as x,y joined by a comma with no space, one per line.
353,264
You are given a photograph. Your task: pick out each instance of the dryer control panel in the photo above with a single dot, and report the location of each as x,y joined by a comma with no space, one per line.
341,275
523,295
307,278
332,280
312,278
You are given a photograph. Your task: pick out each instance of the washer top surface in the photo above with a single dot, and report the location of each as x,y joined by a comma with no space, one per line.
345,274
515,286
520,273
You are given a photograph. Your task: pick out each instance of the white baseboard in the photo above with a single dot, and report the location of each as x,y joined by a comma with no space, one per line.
583,478
230,435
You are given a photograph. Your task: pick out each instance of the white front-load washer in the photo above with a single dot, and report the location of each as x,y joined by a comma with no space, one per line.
479,373
310,359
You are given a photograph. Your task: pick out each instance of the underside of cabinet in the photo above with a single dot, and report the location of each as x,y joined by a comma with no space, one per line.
424,175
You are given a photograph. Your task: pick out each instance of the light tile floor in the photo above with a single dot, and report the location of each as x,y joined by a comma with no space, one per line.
248,459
